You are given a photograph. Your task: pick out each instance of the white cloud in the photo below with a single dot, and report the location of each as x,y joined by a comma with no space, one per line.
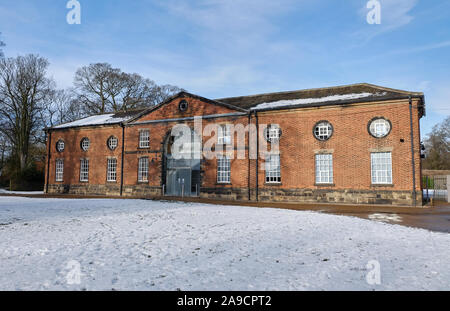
394,14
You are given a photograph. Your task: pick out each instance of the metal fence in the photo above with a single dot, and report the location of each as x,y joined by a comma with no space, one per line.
434,187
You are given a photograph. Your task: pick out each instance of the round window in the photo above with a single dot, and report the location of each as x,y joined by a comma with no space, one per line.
379,127
183,105
85,144
272,133
323,130
60,145
112,142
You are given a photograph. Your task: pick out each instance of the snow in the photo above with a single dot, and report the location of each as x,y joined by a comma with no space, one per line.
157,245
305,101
4,191
94,120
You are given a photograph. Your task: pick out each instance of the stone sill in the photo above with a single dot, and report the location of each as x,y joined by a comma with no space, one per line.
324,185
382,185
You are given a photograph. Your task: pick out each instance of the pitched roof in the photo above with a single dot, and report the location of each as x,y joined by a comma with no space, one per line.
101,119
362,92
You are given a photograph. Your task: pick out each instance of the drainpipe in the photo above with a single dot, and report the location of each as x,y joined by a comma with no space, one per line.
257,155
48,159
122,158
412,151
248,154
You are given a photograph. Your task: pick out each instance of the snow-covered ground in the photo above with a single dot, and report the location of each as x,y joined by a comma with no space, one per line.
151,245
4,191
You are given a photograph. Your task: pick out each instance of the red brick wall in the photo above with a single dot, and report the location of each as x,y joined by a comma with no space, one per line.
97,153
351,144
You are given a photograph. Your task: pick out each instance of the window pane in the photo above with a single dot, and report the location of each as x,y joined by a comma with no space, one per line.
381,168
144,139
324,168
223,169
112,170
143,169
273,173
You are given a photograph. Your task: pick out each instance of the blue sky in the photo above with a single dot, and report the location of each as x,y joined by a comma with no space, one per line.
240,47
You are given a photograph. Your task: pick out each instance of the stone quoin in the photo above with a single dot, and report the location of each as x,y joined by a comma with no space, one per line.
354,144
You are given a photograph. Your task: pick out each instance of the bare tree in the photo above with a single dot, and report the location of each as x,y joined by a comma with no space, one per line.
24,91
2,44
102,88
62,107
91,82
437,156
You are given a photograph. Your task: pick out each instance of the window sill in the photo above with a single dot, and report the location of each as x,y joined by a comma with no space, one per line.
382,185
223,183
273,183
143,182
324,185
111,181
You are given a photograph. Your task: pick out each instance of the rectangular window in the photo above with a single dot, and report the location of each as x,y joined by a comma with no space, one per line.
84,170
224,134
381,164
273,173
59,169
324,168
112,170
144,139
223,169
143,169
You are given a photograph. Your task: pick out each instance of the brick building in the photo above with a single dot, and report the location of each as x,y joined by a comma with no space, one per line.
347,144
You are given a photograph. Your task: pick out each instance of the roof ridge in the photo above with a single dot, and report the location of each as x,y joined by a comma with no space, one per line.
322,89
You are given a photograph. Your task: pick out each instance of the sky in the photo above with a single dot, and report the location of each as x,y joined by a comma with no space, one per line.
223,48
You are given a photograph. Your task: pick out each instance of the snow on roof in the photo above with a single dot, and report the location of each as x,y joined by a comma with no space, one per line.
305,101
94,120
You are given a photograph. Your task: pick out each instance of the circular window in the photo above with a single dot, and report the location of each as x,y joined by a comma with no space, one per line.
85,144
323,130
60,145
112,142
379,127
272,133
183,105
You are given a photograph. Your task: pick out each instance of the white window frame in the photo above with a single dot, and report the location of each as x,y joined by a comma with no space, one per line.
59,170
223,169
273,169
84,170
380,127
324,168
224,134
381,168
144,138
143,169
111,173
85,144
274,133
60,145
113,142
323,130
